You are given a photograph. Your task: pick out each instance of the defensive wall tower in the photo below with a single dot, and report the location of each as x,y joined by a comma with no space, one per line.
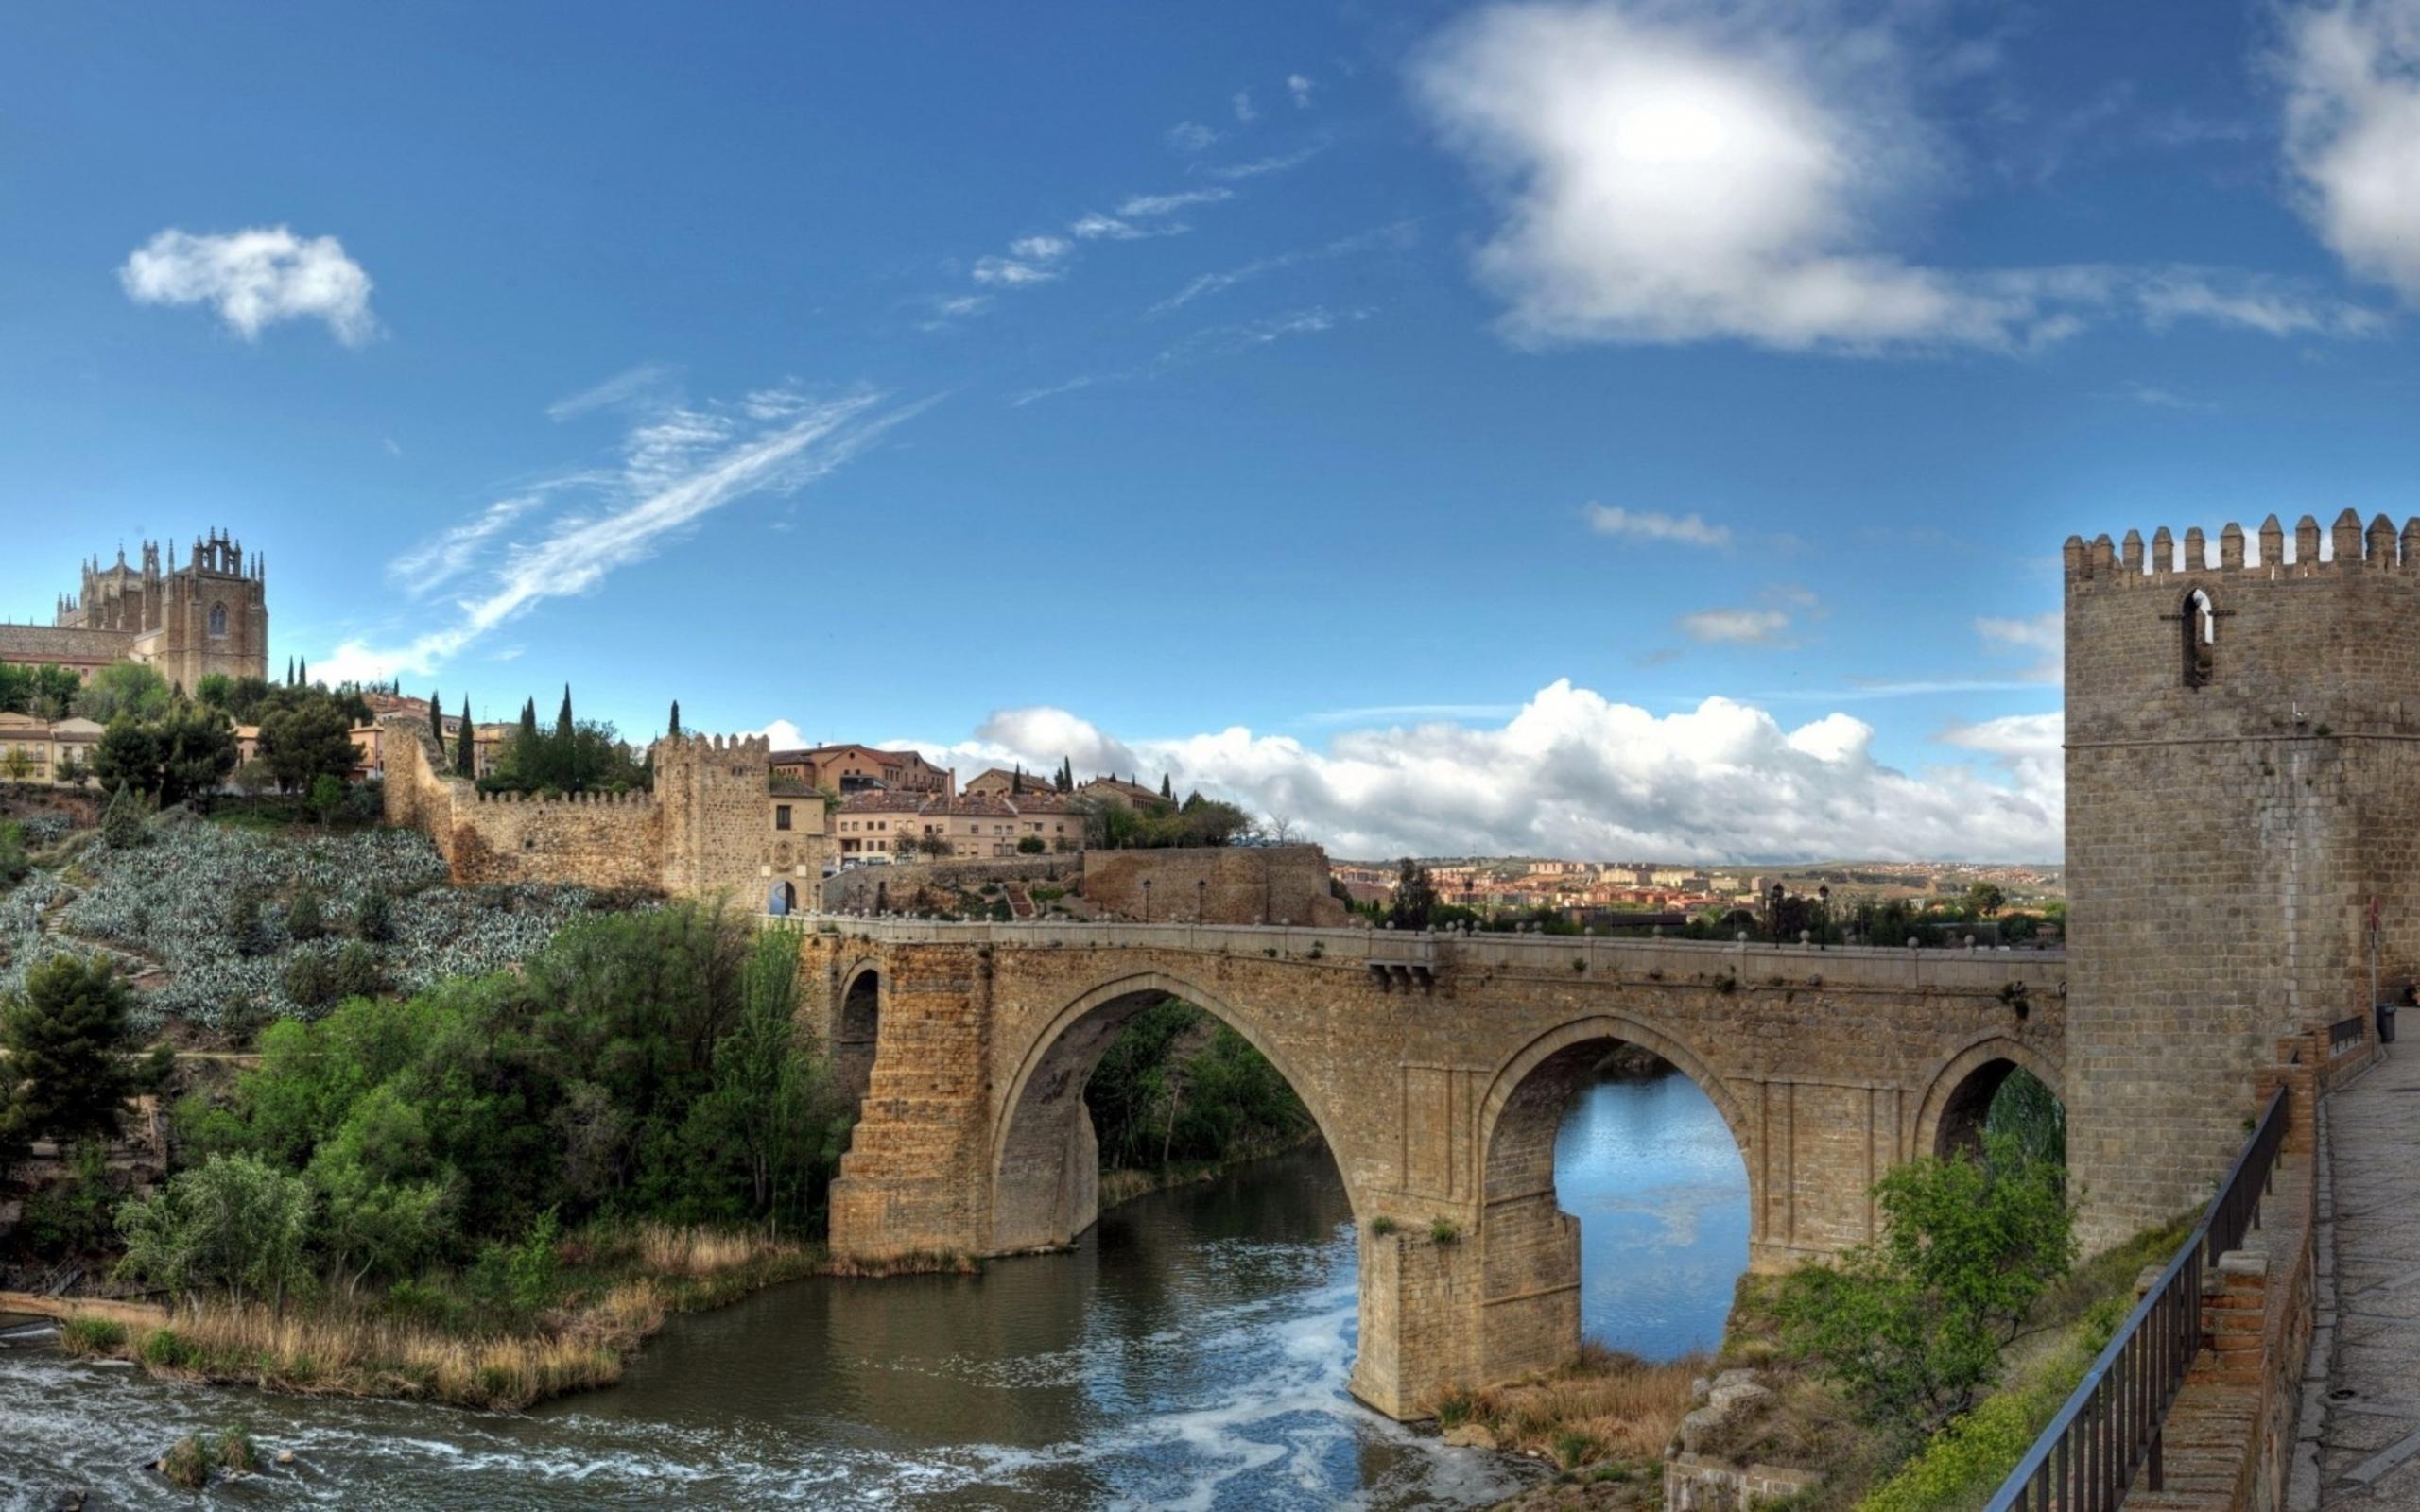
2243,778
713,793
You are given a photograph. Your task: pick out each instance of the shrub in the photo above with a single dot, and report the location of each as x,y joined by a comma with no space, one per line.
1030,845
91,1336
1382,1226
237,1455
1915,1325
186,1465
373,917
1456,1409
302,920
1444,1231
1573,1448
122,822
166,1349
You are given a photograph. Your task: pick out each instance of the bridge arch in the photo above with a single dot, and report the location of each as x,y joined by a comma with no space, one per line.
1046,1166
1950,1117
1530,1276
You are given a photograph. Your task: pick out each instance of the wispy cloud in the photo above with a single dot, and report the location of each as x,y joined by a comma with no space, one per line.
2136,392
1245,112
1651,524
445,557
1146,206
1191,136
1733,625
1279,163
1395,235
2042,636
1208,343
631,383
1298,87
255,277
676,469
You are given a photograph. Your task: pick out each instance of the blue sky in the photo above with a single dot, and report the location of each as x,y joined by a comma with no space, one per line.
1402,419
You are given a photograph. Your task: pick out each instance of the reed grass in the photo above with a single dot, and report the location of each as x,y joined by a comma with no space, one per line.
1602,1407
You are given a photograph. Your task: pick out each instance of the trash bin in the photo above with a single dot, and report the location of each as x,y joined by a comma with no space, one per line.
2386,1024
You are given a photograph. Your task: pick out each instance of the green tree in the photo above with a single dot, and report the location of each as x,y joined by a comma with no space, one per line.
122,822
69,1063
674,727
128,755
1985,899
1415,902
235,1225
466,760
303,918
197,750
305,734
327,798
123,688
1915,1325
18,765
567,746
14,863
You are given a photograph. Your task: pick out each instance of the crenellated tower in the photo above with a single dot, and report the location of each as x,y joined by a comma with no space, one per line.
2244,757
713,792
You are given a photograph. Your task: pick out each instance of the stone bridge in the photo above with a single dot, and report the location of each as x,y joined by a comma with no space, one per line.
1438,1069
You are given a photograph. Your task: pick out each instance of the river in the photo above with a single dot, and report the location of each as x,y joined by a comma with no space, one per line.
1190,1353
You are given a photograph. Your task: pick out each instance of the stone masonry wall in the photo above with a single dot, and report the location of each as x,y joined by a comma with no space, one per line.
875,889
1238,885
2226,833
597,840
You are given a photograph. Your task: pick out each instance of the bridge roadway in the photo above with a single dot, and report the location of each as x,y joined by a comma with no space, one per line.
1438,1068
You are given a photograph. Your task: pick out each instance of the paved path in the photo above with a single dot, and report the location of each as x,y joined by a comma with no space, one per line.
2369,1410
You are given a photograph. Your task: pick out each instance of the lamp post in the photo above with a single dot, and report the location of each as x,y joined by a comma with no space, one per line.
1776,900
1823,915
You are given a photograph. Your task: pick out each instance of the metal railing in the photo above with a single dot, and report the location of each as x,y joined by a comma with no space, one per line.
2108,1432
2345,1034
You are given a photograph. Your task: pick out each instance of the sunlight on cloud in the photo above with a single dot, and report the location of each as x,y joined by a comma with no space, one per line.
1572,773
2352,71
678,467
255,277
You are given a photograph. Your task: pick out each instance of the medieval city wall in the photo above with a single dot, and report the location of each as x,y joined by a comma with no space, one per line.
594,840
2234,802
1225,885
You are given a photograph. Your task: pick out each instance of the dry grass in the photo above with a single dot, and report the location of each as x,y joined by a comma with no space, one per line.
1602,1407
625,1283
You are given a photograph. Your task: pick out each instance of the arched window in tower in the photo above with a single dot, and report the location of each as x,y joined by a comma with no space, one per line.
2200,622
217,619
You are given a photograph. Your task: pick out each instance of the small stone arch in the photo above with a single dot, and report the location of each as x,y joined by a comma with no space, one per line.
1045,1164
218,620
782,901
2198,617
1597,1028
857,1025
1951,1115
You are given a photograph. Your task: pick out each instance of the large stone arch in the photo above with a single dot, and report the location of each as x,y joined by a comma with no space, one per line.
1962,1091
1045,1164
1529,1246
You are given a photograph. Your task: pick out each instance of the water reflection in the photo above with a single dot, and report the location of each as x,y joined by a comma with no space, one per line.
1191,1353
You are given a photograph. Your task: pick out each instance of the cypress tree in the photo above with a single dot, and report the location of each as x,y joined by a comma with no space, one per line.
567,744
302,671
466,762
1165,791
675,728
289,672
436,720
1016,781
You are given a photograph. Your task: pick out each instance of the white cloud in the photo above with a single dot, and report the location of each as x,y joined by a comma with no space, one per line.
1734,626
1191,136
2158,398
1206,344
2029,749
2271,306
255,277
1298,89
1145,206
446,556
622,387
1649,525
1243,106
2043,635
1094,226
784,735
1279,163
677,468
1008,272
1396,234
2352,71
1040,248
1572,773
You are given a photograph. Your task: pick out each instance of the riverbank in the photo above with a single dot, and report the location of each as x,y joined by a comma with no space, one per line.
1120,1184
617,1288
1603,1420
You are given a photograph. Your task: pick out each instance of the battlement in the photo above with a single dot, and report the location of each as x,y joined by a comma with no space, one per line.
569,801
2268,553
692,746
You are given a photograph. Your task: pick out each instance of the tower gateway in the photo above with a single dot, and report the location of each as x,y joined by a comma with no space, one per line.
2243,765
208,616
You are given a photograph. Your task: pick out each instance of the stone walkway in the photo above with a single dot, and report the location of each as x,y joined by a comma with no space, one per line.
2360,1422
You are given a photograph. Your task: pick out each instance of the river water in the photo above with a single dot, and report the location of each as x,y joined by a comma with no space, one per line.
1190,1353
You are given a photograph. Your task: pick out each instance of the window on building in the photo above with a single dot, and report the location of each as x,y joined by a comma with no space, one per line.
781,816
218,619
2201,630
